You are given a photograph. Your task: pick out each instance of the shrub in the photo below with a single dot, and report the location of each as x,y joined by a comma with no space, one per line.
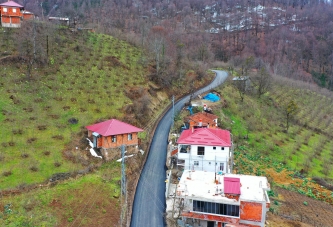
7,173
33,168
24,155
57,164
31,140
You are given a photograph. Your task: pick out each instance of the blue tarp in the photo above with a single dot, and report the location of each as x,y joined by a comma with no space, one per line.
212,97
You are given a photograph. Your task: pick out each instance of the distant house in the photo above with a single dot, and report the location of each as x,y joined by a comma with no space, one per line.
202,119
218,200
62,20
113,133
12,14
242,82
206,149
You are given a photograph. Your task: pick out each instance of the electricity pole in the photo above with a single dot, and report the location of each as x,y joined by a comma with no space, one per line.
123,192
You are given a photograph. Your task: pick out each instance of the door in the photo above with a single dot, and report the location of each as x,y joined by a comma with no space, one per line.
95,141
221,167
210,223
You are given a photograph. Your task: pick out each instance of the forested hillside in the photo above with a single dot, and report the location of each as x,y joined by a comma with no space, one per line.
293,37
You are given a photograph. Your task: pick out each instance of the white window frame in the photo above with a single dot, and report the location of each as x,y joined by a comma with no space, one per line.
14,10
196,163
129,136
5,10
113,139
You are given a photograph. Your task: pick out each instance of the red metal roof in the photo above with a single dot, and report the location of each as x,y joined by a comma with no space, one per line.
232,185
11,4
113,127
205,136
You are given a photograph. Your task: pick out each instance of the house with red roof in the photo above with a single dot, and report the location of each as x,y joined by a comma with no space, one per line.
202,119
12,14
112,134
223,199
205,149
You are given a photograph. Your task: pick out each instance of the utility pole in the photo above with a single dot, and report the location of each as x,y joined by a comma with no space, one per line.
173,111
232,153
123,193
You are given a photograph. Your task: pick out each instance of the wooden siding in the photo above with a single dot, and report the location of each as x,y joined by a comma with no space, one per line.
10,11
12,20
120,140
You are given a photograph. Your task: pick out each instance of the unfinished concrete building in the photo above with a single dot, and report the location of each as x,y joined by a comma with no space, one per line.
208,199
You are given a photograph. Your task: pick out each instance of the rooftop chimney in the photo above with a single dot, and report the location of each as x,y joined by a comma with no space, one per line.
200,123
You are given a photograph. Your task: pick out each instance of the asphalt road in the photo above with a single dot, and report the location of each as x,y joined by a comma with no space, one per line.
149,201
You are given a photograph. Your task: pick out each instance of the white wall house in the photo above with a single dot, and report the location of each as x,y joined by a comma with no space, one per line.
205,149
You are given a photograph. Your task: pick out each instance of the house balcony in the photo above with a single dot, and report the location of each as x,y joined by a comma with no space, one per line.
183,155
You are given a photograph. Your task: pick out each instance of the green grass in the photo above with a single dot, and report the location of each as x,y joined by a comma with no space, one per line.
307,144
67,200
85,80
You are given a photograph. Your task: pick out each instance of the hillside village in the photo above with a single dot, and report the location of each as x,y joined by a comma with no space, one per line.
201,186
88,113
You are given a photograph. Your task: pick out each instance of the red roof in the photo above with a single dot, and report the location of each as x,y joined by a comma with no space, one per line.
113,127
11,4
205,117
232,185
205,136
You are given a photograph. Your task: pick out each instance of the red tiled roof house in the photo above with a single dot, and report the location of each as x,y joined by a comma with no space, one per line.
202,119
12,14
206,149
113,133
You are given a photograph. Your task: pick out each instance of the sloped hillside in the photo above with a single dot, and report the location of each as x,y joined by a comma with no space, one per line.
75,80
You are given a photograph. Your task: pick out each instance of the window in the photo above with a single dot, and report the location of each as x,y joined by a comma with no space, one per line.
216,208
4,9
14,10
114,139
221,166
196,163
222,148
201,151
129,136
184,148
214,148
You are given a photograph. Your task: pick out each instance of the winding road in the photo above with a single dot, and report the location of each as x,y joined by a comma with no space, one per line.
149,201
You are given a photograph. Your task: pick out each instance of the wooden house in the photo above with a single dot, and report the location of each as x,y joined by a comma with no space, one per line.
112,134
12,14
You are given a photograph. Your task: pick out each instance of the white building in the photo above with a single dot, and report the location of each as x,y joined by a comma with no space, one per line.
208,199
205,149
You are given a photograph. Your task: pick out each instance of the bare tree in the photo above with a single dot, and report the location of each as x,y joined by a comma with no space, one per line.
289,109
31,43
262,81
